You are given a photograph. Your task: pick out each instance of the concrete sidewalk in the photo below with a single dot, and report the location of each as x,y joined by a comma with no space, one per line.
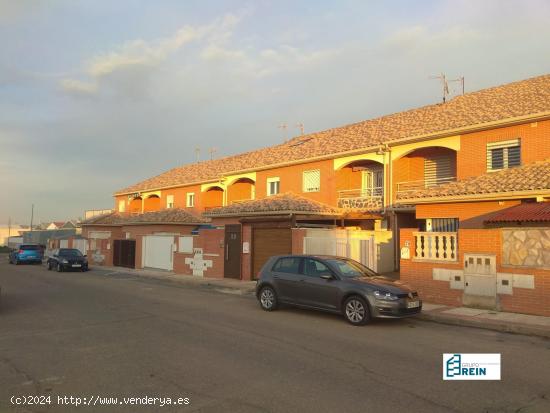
460,316
225,285
532,325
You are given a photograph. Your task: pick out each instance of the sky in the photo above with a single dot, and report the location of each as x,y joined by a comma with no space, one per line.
97,95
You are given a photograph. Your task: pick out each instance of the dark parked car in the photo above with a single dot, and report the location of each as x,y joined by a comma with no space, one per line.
65,259
30,253
334,284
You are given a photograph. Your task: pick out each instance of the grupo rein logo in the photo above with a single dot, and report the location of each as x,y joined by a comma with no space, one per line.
469,366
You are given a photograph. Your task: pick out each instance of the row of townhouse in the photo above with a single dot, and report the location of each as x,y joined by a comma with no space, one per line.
415,191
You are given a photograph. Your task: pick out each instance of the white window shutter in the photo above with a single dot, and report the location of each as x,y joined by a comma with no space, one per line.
312,181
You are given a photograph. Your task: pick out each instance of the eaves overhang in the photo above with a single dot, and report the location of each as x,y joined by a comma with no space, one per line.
495,196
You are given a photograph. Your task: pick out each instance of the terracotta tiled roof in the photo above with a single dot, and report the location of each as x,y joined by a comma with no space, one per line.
112,218
512,100
528,212
165,216
277,204
531,177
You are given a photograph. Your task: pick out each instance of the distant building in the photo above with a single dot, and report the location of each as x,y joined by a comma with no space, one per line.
9,230
56,225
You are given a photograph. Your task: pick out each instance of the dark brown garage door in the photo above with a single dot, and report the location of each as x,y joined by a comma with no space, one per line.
268,242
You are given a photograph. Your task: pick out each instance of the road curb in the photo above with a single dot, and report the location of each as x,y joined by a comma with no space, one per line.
504,327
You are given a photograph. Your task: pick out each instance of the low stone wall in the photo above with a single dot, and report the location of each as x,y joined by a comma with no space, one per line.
526,247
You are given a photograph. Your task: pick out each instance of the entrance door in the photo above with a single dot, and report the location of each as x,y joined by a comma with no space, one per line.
232,262
124,253
158,251
373,182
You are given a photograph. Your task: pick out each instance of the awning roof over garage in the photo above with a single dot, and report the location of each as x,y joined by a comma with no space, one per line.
166,216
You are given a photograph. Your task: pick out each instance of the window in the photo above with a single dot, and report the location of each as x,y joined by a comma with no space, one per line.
190,200
311,181
504,154
439,170
170,201
121,206
372,182
273,186
442,224
185,245
314,268
289,265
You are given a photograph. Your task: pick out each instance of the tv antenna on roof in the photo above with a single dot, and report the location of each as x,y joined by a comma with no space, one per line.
301,126
212,152
444,85
460,80
197,153
284,128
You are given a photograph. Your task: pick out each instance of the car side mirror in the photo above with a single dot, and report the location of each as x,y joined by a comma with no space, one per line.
327,277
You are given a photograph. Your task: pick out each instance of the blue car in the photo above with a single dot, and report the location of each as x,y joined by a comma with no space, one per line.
29,253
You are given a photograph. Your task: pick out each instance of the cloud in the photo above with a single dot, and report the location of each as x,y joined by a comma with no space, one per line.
79,87
266,62
140,53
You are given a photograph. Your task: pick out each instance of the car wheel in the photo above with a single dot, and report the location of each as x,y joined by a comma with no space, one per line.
268,299
58,267
49,266
356,311
17,262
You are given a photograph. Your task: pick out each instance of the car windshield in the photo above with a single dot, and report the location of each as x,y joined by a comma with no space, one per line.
350,268
70,253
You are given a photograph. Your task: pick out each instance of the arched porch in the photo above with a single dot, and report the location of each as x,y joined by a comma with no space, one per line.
360,184
213,197
151,203
136,205
242,189
424,168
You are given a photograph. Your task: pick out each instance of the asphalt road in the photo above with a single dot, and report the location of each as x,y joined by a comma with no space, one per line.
92,334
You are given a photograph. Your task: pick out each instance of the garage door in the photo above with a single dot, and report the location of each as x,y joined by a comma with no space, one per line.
158,252
81,245
268,242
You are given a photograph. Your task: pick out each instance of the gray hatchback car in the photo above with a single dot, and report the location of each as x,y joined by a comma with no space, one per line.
334,284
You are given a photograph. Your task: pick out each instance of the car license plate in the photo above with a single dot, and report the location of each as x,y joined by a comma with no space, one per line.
76,265
413,304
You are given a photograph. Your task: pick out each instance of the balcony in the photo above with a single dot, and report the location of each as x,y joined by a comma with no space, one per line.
406,188
366,199
435,246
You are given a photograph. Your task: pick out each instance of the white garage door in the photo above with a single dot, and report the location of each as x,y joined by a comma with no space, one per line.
157,252
82,245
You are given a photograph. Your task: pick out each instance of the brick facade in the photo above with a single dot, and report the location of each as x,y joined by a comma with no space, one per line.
472,157
419,274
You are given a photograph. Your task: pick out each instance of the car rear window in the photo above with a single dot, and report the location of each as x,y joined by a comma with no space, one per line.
29,247
290,265
68,252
